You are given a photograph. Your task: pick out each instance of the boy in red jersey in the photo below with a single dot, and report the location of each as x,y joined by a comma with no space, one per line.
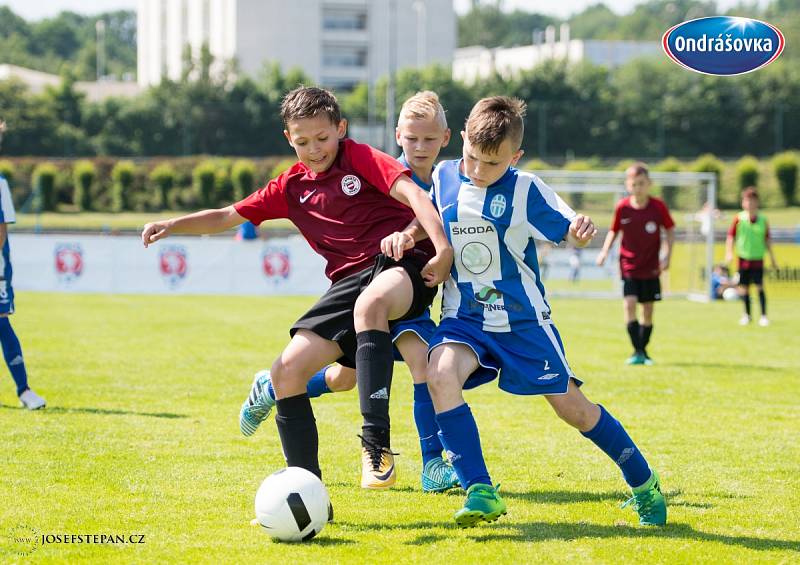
640,218
345,198
749,234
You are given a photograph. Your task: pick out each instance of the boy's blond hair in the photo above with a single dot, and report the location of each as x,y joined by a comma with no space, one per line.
638,168
495,119
423,105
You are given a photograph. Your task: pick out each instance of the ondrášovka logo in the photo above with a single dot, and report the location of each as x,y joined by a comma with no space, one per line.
173,263
68,262
723,45
276,264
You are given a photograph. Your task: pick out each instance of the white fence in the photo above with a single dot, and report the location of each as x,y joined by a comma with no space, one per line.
189,265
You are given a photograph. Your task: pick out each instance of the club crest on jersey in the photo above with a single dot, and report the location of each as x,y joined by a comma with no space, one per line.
351,184
68,262
650,227
498,205
173,263
276,263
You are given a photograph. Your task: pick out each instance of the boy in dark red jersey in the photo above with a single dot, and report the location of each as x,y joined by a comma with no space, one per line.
640,217
749,235
344,197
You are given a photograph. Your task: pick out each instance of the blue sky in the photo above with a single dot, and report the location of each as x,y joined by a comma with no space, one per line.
37,9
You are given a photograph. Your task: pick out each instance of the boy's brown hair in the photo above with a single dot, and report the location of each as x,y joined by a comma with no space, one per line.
309,102
750,192
495,119
637,169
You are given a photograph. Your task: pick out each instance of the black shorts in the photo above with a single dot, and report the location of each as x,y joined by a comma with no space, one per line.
332,316
645,290
751,276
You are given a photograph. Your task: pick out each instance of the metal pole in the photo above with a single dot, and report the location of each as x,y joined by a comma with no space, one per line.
100,28
390,85
419,7
371,75
712,205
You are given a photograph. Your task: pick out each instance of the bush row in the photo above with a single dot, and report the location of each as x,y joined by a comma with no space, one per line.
110,185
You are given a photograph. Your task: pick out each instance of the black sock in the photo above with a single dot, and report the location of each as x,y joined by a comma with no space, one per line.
644,336
762,298
374,364
298,431
634,333
746,300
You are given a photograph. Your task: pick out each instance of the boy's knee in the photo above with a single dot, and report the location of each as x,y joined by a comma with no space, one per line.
370,311
285,372
440,382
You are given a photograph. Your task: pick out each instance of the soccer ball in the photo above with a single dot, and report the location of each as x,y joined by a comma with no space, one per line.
292,505
730,294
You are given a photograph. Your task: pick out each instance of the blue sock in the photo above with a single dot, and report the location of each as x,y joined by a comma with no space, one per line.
12,352
425,418
459,435
317,386
611,437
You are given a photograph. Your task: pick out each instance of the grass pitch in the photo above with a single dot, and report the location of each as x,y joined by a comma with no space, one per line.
140,437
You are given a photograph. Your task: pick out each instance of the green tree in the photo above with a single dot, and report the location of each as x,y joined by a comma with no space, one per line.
785,166
84,174
122,176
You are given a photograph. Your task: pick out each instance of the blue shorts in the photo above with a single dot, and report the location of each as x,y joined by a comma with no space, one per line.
423,326
531,361
6,297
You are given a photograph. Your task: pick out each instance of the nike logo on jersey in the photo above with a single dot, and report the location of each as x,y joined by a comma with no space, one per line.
381,394
448,206
306,196
625,221
548,377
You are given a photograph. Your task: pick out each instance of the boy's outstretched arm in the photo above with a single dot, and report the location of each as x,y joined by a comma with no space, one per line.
199,223
581,231
407,192
609,241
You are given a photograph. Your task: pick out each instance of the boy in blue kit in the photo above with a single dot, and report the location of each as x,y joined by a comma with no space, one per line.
495,319
421,132
12,351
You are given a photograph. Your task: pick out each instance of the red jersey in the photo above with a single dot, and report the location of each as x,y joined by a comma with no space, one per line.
747,263
343,212
641,236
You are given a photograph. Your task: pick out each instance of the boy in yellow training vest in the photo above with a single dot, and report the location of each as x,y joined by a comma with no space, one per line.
749,234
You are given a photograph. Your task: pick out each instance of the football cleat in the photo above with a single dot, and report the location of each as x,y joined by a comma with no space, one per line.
744,320
649,503
635,359
438,476
258,405
483,504
377,466
31,400
763,321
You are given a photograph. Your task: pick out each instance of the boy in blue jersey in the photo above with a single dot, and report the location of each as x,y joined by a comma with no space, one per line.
495,319
421,132
12,351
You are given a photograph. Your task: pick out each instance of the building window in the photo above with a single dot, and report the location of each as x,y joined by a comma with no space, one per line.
344,20
339,84
341,56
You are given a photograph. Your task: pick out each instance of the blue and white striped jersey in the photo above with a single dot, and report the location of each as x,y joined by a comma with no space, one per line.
7,216
495,275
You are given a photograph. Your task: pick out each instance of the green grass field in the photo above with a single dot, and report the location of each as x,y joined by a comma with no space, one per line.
141,437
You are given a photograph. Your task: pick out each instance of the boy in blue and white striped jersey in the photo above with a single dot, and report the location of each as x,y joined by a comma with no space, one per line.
495,317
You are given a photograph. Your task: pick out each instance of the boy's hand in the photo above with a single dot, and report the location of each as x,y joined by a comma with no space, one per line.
154,231
438,269
663,265
601,258
728,257
582,230
395,244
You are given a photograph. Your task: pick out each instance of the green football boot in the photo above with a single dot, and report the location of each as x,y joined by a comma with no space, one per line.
438,476
483,504
648,501
635,359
